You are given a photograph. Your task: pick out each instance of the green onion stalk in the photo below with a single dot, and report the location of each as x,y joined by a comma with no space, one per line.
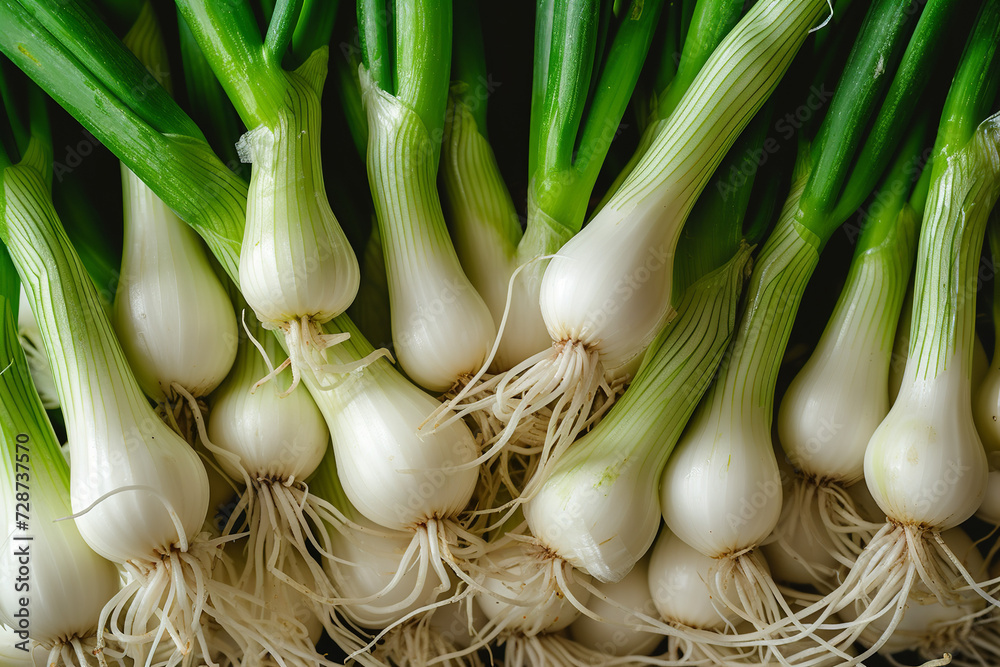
180,346
980,359
571,135
280,480
709,23
840,396
129,469
721,490
586,516
713,237
395,477
297,269
57,585
441,328
571,131
607,293
925,465
207,101
590,518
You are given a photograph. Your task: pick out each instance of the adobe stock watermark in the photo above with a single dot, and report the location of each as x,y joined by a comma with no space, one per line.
785,127
656,260
765,491
826,430
944,486
74,156
20,543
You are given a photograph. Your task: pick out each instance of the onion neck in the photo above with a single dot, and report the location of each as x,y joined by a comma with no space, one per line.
943,325
92,377
779,279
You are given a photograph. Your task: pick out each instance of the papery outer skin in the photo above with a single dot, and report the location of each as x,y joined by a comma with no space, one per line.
441,328
295,260
115,438
678,577
612,638
721,489
277,438
925,465
597,509
923,611
552,614
373,561
393,474
609,287
172,315
989,509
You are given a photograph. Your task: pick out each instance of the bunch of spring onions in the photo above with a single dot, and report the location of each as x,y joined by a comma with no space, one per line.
298,366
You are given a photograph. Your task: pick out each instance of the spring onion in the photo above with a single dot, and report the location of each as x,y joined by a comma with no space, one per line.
169,299
56,584
297,270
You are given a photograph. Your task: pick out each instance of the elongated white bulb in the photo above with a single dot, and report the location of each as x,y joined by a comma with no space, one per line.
721,490
595,514
65,582
295,261
392,474
129,468
172,315
925,465
276,438
841,395
609,286
441,328
677,584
